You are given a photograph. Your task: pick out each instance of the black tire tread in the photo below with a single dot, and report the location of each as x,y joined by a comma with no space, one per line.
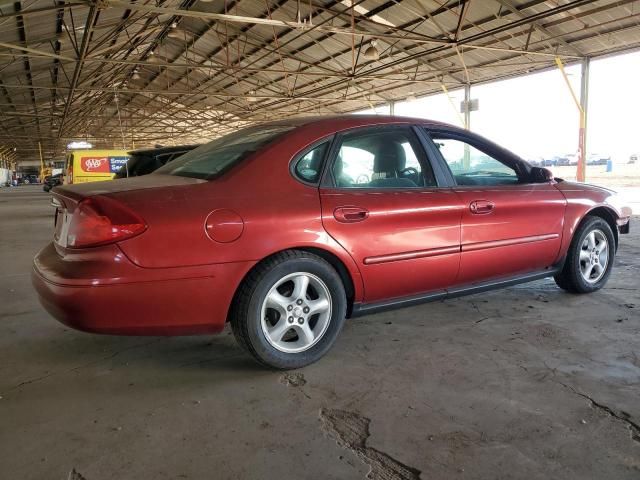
568,278
240,308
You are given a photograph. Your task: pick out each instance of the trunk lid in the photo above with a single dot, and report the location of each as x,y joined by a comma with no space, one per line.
83,190
66,198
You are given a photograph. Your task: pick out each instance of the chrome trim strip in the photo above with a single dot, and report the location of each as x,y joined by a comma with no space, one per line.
471,247
395,257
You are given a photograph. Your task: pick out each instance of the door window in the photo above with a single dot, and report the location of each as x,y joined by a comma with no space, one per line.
471,166
378,158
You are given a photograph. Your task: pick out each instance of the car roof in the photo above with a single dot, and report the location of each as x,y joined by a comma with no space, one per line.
354,120
161,150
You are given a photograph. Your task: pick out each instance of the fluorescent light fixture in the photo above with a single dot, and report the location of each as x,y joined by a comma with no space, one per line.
364,11
251,97
78,145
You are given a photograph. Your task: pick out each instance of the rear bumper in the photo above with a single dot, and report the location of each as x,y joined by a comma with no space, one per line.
158,305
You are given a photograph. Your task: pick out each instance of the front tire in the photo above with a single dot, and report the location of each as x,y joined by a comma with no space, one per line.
289,310
589,259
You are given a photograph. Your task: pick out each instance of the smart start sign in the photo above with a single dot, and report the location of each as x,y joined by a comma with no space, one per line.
102,164
116,163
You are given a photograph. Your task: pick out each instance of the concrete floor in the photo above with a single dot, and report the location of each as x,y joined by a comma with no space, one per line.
528,382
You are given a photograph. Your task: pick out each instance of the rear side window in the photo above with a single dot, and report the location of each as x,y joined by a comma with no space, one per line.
309,167
213,158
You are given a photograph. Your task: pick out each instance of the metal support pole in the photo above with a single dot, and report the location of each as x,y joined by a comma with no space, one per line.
467,106
466,161
41,163
392,108
452,103
581,104
584,109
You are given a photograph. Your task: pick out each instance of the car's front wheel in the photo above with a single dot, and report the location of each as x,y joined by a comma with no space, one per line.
290,310
589,259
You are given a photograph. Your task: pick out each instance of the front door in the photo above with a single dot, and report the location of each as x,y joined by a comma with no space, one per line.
509,225
382,202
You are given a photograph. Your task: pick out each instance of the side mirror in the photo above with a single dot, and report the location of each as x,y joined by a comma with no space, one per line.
541,175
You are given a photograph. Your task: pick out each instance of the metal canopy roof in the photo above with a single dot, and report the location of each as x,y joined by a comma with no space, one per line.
184,71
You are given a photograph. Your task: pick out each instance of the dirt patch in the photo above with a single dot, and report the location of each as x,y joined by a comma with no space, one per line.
293,380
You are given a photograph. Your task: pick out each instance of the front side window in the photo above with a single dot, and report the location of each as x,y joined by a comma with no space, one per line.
471,166
381,159
213,158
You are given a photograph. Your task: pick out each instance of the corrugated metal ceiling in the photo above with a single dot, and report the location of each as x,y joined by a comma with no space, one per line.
174,71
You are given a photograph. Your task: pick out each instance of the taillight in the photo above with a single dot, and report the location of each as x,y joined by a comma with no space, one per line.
101,220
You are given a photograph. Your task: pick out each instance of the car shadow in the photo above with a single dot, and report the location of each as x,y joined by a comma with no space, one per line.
66,351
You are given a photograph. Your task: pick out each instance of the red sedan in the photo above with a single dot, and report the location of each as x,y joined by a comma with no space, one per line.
286,229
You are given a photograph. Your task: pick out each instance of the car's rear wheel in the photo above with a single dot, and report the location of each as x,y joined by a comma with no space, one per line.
589,259
290,310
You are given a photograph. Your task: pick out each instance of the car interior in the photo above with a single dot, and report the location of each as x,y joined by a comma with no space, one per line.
380,160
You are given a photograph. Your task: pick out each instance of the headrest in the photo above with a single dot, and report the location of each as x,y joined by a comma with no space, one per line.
390,158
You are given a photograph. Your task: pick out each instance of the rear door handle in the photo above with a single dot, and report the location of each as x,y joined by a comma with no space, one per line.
481,207
350,214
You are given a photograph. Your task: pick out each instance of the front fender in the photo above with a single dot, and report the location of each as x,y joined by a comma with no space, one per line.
583,199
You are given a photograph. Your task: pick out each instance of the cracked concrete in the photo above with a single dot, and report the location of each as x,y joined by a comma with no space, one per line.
624,417
467,388
351,431
75,475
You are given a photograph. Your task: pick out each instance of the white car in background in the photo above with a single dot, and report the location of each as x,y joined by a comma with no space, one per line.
598,159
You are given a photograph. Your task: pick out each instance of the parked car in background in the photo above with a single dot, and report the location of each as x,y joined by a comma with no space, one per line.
29,179
52,181
143,162
82,166
572,159
597,159
262,228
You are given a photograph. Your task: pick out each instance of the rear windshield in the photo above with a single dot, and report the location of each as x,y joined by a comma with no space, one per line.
135,163
213,158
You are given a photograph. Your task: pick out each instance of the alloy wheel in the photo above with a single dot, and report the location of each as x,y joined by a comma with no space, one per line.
296,312
594,256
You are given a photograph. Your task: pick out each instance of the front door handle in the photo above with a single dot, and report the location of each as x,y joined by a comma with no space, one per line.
481,207
350,214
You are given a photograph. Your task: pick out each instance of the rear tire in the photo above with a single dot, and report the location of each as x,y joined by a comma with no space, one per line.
589,259
289,310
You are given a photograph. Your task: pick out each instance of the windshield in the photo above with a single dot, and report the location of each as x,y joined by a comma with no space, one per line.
213,158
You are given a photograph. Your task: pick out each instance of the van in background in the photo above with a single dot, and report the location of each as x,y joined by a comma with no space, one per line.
83,166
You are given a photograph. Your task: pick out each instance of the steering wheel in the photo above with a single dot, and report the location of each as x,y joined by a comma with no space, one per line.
405,172
362,178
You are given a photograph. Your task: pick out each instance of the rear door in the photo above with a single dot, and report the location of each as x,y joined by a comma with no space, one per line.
510,226
385,204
